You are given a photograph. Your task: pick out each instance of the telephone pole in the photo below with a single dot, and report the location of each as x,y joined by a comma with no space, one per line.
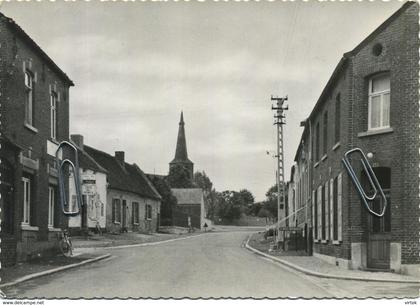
279,120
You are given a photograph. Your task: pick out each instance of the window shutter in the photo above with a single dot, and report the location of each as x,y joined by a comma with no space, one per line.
132,212
113,210
339,207
313,215
319,209
331,223
327,205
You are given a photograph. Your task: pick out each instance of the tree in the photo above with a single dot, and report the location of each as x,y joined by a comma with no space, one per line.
270,203
232,204
246,197
179,177
264,213
202,181
169,201
247,200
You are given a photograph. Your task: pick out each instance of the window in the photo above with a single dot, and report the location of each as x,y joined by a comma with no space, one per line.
323,213
116,211
102,209
29,98
337,119
325,134
135,211
53,114
148,214
379,102
51,206
335,210
315,213
317,142
26,182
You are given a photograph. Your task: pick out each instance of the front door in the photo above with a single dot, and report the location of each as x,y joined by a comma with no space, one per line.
379,233
84,212
8,238
379,238
6,198
124,215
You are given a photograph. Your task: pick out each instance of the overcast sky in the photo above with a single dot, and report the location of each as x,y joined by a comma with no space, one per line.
136,65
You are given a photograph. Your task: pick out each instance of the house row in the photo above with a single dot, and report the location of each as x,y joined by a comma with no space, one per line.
371,102
34,120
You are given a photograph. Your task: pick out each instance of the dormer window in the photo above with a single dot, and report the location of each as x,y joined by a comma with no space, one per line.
379,102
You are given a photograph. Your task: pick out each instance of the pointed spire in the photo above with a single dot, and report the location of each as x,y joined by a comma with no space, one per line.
181,154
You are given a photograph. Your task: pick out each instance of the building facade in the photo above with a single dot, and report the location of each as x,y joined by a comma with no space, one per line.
189,211
133,204
93,178
370,102
35,118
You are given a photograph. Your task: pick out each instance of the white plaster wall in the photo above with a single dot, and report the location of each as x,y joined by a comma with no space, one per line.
75,222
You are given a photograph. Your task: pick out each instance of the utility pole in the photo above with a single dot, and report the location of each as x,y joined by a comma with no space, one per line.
279,120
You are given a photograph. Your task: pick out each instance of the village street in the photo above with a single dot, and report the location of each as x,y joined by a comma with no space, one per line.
209,265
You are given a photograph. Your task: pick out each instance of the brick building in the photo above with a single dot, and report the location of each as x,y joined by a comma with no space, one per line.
35,118
371,101
133,204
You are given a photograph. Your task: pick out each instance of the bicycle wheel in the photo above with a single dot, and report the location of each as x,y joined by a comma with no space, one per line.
65,247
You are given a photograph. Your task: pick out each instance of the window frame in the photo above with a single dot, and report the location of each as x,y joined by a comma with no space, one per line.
26,219
148,214
53,114
51,206
381,94
325,133
116,210
337,125
29,98
135,212
317,144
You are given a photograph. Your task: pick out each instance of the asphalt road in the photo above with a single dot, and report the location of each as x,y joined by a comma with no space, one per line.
210,265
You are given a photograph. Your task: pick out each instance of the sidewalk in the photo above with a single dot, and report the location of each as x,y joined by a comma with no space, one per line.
130,238
43,266
314,266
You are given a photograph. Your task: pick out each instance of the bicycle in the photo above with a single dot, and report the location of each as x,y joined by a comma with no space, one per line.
65,243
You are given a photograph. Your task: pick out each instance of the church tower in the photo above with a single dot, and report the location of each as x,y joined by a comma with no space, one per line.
181,154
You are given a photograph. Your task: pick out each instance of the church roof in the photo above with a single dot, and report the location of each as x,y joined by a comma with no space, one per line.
181,154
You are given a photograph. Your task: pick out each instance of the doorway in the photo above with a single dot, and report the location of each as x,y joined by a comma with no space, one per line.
124,216
379,228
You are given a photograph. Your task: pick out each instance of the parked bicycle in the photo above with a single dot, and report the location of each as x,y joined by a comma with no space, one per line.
65,243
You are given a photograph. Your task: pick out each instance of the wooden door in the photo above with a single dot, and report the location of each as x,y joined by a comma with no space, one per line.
124,215
6,198
379,236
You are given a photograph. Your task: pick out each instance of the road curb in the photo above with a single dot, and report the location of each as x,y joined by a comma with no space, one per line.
323,275
51,271
143,244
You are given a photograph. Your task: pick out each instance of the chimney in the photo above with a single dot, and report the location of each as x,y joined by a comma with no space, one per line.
78,140
119,155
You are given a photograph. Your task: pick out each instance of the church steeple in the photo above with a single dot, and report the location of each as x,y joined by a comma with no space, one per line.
181,154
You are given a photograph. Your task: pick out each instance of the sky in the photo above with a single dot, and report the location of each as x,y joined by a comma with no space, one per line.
136,65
